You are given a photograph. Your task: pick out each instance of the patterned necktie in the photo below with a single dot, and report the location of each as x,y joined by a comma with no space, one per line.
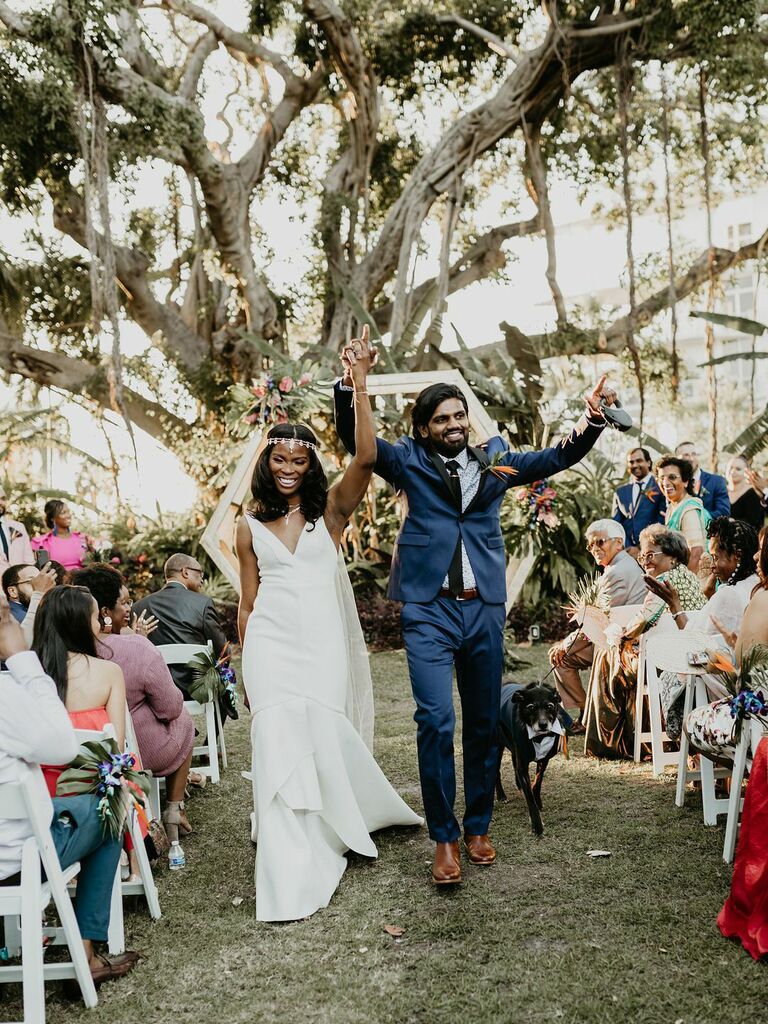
455,574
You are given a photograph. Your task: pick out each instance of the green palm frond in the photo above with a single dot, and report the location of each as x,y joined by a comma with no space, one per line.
737,323
752,439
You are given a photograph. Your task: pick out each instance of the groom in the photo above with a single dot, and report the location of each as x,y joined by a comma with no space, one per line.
448,570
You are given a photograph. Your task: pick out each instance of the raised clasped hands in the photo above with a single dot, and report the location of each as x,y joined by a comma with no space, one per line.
358,358
601,392
665,591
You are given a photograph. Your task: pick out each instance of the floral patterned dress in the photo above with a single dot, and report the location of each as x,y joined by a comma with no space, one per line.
610,708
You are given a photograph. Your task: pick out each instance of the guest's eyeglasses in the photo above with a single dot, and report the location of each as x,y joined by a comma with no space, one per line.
597,542
191,568
649,556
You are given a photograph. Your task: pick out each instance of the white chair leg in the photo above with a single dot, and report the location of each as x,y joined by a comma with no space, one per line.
222,742
33,980
639,701
213,750
734,800
116,933
154,797
682,761
657,730
145,870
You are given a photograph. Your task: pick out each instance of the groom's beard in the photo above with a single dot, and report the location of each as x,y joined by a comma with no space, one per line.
450,449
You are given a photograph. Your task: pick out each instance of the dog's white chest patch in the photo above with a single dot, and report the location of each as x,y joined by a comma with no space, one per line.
544,742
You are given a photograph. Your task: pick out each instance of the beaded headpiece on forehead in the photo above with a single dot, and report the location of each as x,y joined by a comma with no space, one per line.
292,441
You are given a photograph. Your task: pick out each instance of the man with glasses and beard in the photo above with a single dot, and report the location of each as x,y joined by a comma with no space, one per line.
185,616
622,583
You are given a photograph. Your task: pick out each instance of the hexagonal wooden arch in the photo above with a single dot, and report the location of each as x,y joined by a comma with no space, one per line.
218,536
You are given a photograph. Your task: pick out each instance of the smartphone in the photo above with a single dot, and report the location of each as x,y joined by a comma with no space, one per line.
41,558
698,658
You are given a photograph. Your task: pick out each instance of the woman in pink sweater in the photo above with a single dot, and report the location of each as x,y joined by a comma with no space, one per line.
164,728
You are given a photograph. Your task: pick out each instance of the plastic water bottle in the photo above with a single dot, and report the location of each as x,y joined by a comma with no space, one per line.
176,858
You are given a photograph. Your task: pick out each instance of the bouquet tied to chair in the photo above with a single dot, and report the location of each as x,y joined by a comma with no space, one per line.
101,768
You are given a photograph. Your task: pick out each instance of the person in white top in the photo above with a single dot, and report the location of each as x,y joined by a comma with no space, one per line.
15,546
35,729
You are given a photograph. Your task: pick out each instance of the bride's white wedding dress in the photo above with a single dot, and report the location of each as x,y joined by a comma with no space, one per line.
317,790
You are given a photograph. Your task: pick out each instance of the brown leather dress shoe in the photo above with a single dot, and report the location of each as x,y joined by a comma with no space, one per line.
480,849
446,869
113,967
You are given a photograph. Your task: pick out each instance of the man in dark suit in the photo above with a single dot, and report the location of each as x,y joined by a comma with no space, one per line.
186,616
639,503
710,487
448,569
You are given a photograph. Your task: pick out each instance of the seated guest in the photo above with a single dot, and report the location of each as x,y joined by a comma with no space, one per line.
710,727
35,728
184,614
24,586
15,548
610,715
639,503
164,728
61,542
710,487
684,512
621,583
746,503
733,546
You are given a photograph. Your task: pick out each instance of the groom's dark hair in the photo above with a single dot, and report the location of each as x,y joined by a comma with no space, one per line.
428,400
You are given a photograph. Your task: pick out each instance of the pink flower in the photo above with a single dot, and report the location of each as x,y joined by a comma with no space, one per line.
286,385
115,561
259,390
549,519
305,378
253,418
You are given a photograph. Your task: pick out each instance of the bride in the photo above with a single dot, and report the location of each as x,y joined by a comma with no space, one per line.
317,790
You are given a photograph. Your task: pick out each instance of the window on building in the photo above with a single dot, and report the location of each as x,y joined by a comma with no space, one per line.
740,285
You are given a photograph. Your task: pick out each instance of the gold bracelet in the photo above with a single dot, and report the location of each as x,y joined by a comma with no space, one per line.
360,392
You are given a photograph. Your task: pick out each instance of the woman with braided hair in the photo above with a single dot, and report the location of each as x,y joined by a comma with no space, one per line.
733,546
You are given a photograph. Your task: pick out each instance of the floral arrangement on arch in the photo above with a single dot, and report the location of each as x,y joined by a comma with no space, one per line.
287,392
537,502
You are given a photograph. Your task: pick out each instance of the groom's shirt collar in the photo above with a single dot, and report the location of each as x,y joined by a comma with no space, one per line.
462,458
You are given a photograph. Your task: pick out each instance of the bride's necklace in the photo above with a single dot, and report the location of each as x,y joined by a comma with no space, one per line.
291,510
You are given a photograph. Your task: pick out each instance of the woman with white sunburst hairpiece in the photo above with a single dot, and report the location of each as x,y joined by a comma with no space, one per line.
317,790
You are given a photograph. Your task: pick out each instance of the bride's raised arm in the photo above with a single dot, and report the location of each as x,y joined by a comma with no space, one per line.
347,494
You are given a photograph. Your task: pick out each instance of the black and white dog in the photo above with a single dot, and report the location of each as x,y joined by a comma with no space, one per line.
530,728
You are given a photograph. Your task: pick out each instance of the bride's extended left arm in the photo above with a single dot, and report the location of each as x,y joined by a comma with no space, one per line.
344,498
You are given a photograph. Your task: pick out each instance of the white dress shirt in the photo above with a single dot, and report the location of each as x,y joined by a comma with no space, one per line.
469,478
637,485
34,729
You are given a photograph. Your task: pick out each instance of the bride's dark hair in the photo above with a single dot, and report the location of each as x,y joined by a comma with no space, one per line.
268,503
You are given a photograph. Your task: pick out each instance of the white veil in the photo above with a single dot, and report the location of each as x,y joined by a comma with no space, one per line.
359,685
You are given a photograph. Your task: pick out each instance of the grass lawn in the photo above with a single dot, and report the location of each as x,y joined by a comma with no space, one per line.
548,934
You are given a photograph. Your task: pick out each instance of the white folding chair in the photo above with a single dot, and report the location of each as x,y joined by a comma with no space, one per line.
181,654
146,885
22,905
752,732
650,667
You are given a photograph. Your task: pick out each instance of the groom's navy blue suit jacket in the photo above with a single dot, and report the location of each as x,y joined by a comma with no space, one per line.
434,521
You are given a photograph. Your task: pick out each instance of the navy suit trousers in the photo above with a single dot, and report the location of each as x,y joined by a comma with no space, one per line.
468,635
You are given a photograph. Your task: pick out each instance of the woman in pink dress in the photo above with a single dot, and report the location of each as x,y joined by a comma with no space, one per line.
62,544
164,728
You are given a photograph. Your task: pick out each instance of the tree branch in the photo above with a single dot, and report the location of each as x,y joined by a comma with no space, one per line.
183,346
483,258
207,44
541,198
53,369
496,43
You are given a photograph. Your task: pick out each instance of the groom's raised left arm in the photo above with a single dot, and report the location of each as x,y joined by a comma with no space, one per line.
530,466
